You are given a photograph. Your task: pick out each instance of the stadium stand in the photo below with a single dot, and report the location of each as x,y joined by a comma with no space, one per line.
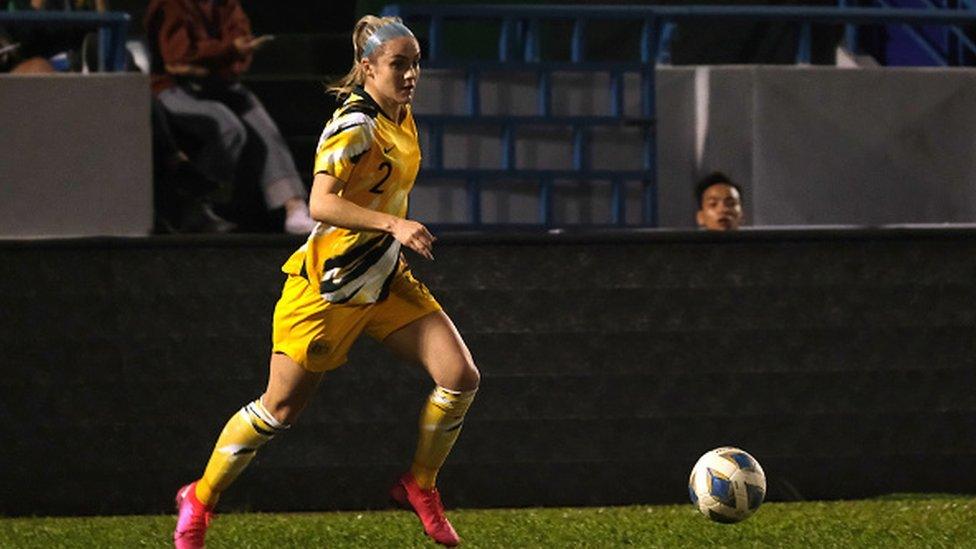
553,129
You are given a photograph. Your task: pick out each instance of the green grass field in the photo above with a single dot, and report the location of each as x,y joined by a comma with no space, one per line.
894,521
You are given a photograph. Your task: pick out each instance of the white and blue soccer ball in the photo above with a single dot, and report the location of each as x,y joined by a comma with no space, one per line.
727,485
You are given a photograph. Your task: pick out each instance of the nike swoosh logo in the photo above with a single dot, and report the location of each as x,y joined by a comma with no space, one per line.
387,151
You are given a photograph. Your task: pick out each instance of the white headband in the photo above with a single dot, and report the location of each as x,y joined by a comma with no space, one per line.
386,32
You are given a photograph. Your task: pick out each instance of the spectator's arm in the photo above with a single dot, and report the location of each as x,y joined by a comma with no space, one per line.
195,71
239,26
178,44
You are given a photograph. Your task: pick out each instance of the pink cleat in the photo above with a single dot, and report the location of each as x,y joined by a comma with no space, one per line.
192,520
427,505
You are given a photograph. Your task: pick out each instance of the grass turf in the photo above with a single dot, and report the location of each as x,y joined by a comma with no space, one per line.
898,521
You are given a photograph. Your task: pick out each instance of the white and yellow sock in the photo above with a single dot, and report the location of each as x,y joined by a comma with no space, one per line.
245,432
440,424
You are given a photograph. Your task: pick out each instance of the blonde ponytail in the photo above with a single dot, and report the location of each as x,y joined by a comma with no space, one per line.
356,76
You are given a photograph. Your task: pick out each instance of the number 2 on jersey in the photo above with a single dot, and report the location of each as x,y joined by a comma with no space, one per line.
389,169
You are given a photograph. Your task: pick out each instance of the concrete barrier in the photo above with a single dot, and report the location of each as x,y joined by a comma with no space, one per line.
841,359
75,155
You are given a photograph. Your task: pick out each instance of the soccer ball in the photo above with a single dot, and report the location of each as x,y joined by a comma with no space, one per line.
727,485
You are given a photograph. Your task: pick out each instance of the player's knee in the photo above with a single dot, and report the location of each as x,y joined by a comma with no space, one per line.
286,411
470,377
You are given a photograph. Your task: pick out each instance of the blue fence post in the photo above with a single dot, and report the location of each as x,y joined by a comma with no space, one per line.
532,51
850,30
804,47
508,146
649,209
434,37
647,41
580,157
545,202
474,200
649,206
436,134
648,52
960,51
505,40
578,46
121,59
649,47
616,93
664,43
106,49
474,92
111,47
618,197
544,90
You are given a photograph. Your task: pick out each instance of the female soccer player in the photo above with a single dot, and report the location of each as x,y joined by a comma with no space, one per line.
350,277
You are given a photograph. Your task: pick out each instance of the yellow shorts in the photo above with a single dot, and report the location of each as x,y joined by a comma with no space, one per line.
318,335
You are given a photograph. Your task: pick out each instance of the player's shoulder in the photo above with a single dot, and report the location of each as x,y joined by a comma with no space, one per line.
354,120
359,105
350,123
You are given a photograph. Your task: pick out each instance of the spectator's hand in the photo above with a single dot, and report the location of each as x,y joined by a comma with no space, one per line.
186,69
414,236
248,44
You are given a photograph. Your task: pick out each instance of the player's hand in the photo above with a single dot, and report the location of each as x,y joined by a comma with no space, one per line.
414,236
248,44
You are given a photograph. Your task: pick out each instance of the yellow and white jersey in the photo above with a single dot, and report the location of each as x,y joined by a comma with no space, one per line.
378,160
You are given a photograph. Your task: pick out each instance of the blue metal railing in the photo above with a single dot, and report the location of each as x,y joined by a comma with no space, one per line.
112,28
938,54
519,50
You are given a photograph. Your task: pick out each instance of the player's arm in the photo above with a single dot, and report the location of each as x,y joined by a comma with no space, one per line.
327,206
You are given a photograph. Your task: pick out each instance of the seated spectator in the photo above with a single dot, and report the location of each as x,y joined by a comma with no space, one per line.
36,49
12,61
199,49
719,203
180,191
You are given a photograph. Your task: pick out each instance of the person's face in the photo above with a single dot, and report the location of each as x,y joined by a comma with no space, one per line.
721,208
393,74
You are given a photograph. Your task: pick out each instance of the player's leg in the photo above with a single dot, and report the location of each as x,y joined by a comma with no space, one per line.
290,387
434,342
309,338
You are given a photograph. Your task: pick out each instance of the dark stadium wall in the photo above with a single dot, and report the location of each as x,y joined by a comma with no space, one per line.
842,360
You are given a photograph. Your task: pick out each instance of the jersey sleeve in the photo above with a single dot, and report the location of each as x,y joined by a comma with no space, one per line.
343,142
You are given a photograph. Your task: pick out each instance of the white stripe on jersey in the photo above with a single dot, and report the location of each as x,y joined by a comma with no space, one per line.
369,284
359,140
